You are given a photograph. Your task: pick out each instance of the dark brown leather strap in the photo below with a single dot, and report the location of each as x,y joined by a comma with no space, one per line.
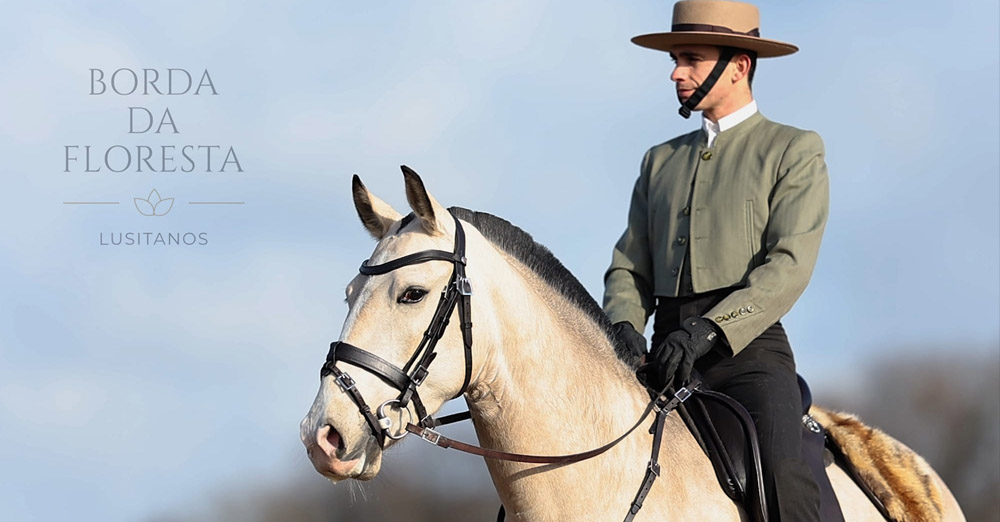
437,439
658,404
652,469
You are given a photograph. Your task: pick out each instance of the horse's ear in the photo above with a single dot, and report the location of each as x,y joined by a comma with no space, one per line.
424,206
376,215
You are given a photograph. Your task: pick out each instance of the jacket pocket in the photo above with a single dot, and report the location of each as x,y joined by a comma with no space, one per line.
751,233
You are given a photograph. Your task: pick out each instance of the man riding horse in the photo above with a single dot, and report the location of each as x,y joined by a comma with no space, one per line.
724,228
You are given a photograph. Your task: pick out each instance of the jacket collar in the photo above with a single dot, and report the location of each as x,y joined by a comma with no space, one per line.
712,130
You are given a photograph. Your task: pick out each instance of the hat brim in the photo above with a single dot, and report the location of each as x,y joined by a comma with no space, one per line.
668,41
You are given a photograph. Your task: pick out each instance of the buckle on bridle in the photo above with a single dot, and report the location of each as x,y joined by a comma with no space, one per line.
419,375
683,394
430,435
345,381
463,285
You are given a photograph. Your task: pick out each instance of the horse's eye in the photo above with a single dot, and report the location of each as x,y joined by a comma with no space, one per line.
412,295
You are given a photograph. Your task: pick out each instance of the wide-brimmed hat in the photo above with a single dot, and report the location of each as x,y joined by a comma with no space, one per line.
716,22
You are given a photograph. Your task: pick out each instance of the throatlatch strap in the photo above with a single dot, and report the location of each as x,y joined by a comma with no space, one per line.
699,94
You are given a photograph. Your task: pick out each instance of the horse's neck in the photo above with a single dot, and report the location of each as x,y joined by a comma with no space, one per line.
553,384
552,365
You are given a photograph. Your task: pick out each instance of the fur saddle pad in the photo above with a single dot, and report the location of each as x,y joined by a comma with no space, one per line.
897,476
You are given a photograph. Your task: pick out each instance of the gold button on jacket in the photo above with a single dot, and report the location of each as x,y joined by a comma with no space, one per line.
756,218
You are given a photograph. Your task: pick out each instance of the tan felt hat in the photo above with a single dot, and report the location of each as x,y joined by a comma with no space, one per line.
716,22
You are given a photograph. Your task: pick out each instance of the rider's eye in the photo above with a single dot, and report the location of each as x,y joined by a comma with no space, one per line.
412,295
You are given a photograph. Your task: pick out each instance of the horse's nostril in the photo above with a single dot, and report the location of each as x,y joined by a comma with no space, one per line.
334,439
329,440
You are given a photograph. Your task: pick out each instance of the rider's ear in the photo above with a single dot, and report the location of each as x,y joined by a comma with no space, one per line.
375,214
424,206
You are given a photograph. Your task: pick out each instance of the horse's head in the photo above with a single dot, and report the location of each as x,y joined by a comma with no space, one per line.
390,308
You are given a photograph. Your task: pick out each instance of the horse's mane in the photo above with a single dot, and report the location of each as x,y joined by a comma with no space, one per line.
520,245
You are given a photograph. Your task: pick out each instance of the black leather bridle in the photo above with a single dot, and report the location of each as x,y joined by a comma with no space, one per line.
456,294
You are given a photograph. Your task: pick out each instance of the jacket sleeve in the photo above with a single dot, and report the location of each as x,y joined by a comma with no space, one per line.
628,283
798,212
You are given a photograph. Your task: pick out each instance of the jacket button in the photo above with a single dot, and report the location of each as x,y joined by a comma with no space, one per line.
707,155
687,211
674,271
682,240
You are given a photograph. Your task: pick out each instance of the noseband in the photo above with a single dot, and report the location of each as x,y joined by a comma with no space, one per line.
456,294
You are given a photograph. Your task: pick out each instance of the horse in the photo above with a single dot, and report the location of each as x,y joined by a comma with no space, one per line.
545,375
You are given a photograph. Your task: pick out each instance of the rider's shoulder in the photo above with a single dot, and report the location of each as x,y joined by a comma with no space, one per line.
775,132
691,139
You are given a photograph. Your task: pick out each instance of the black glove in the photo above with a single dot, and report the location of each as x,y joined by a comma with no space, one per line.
633,340
677,354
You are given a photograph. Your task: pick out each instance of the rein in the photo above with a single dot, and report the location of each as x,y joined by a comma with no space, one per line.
457,294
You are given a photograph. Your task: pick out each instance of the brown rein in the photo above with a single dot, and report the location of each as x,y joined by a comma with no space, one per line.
658,404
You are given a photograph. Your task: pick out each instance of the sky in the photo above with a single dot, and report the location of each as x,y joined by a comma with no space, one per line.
137,379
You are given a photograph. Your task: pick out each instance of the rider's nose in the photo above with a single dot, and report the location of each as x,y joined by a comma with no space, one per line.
676,76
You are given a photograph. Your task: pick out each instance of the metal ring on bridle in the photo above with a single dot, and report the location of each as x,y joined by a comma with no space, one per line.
385,422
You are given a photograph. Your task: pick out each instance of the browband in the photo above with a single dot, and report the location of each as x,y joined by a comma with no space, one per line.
411,259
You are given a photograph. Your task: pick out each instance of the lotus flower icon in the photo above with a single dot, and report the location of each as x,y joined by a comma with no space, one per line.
153,205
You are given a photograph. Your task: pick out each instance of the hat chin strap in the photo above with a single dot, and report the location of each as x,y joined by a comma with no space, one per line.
725,56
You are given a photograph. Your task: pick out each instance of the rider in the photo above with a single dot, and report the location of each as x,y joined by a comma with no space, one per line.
723,232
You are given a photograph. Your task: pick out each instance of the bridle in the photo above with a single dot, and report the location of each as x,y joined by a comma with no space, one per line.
457,293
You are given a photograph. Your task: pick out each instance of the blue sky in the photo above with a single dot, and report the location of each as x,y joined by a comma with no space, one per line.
136,380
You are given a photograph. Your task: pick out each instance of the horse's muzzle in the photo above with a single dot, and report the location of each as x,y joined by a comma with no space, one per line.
336,460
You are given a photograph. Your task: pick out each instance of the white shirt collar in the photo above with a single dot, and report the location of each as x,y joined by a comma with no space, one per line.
712,129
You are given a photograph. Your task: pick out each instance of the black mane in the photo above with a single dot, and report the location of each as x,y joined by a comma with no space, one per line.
520,245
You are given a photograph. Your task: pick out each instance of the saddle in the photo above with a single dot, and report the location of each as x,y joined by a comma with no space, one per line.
726,433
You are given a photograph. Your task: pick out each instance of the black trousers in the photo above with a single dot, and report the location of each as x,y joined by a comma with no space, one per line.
762,378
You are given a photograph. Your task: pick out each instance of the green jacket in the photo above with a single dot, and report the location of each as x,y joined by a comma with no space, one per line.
751,208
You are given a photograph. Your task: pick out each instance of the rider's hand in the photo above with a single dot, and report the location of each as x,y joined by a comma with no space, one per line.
633,340
676,355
